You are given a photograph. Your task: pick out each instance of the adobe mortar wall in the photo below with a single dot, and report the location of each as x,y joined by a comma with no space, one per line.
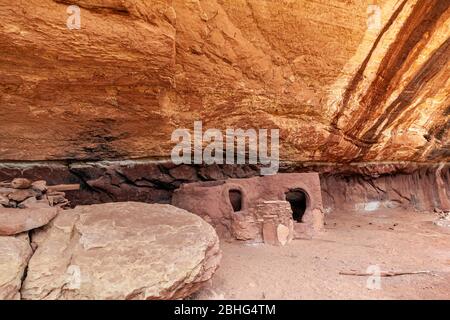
211,201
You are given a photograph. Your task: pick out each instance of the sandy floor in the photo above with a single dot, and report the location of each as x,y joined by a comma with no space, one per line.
309,269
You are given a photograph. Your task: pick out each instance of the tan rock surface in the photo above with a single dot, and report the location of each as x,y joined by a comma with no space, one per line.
123,250
21,195
14,255
137,70
4,200
20,183
14,221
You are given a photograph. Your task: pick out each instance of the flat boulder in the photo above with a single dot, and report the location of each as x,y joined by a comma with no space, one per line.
14,256
126,250
14,221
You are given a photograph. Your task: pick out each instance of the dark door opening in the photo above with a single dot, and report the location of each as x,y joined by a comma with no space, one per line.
235,199
297,199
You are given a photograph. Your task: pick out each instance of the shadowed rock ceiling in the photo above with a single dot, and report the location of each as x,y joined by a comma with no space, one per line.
137,70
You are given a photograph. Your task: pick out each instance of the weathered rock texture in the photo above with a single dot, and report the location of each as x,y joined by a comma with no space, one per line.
420,186
14,221
145,181
137,70
14,255
123,250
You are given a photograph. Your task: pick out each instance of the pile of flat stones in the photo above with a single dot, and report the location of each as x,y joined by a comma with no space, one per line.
24,194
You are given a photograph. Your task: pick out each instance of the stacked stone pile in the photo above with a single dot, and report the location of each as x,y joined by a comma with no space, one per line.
25,194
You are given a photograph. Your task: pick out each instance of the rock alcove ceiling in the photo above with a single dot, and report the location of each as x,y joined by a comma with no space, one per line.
136,70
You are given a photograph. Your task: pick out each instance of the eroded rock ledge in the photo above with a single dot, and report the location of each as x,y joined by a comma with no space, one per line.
349,186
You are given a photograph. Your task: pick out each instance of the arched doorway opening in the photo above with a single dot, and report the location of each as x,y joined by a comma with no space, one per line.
298,201
235,199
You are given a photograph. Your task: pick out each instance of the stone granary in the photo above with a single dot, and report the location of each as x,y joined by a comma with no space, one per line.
273,209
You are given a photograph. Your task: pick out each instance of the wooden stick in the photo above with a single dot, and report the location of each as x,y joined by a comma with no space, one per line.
383,273
63,187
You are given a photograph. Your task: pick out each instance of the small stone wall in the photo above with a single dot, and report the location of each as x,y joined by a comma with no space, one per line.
265,215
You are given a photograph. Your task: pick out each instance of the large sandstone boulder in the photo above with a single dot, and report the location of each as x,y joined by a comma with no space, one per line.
123,250
14,221
14,255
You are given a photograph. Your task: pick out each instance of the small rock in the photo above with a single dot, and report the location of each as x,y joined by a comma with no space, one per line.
40,185
21,183
20,195
56,198
33,203
6,191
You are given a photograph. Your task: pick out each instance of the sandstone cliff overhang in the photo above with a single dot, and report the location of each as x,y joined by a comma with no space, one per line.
136,70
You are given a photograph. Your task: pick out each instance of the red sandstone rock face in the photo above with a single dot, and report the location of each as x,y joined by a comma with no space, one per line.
421,186
424,189
137,70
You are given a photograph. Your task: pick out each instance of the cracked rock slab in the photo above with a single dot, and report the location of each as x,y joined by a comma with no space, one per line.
14,221
125,250
14,255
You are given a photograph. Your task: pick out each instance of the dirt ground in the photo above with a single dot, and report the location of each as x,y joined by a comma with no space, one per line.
309,269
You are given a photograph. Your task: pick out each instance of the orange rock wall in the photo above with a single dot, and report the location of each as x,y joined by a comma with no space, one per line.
136,70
